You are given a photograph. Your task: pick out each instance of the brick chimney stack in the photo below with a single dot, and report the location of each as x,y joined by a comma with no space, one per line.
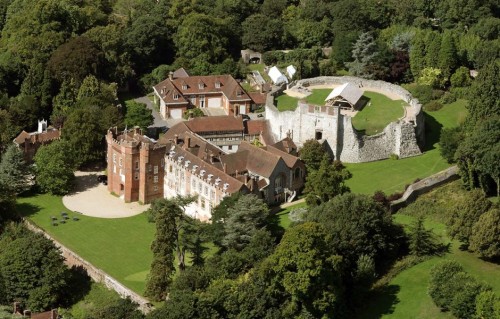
188,142
171,75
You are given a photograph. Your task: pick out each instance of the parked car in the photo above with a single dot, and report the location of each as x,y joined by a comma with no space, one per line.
102,179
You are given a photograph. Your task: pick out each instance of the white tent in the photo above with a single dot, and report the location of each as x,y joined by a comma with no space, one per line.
291,70
276,76
347,92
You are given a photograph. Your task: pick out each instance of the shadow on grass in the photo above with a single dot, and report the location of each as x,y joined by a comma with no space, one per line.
362,103
27,209
432,132
79,284
273,225
382,302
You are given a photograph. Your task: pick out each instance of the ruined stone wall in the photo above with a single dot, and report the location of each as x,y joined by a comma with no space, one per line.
73,259
401,137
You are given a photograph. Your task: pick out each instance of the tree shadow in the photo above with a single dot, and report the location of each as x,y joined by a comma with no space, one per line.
382,302
78,283
84,182
432,132
27,209
273,225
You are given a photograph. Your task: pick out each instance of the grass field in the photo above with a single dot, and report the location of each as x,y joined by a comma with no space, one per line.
318,96
392,175
286,103
120,246
406,295
377,113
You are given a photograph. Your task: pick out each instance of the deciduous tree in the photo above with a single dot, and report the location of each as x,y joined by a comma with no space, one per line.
54,167
138,115
485,235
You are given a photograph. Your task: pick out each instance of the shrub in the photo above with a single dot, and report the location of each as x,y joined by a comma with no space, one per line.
196,112
433,106
466,289
448,98
461,77
422,92
487,305
394,157
394,196
437,94
298,214
440,279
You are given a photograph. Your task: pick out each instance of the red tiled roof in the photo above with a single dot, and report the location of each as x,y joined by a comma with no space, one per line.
289,159
22,137
258,98
255,127
34,137
286,145
180,73
215,124
168,92
259,161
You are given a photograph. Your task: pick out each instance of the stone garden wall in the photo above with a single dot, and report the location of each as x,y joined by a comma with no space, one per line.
401,137
73,259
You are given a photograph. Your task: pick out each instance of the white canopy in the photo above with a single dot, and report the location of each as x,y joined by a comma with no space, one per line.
291,70
347,91
276,76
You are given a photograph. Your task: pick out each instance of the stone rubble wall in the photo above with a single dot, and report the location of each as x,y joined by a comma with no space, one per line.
424,186
73,259
401,137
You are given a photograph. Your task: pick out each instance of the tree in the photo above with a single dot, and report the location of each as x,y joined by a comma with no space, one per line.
32,269
54,167
485,235
138,115
83,132
245,218
422,242
363,52
308,272
464,290
311,154
269,36
220,214
433,48
432,77
461,77
449,140
14,172
327,182
465,213
90,88
439,283
448,55
487,305
163,246
358,226
75,59
483,102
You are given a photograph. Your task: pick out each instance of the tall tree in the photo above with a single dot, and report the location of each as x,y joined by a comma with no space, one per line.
448,56
312,153
138,115
245,218
485,235
421,241
363,52
14,172
483,102
54,167
327,182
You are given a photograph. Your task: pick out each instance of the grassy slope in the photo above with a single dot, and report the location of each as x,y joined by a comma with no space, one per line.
120,246
392,175
378,113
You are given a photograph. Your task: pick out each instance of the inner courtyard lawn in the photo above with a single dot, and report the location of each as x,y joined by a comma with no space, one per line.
286,103
377,113
318,96
392,175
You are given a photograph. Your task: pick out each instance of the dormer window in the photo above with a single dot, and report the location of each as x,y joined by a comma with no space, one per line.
217,85
226,185
217,181
210,177
239,93
180,159
201,86
171,154
202,173
194,167
176,96
184,87
186,164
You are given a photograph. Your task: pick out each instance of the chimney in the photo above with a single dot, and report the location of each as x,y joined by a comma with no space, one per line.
246,178
176,139
236,173
54,314
171,75
224,168
27,313
212,158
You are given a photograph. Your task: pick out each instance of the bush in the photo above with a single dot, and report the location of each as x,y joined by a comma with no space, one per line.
196,112
448,142
461,77
448,98
437,94
422,92
298,214
394,157
433,106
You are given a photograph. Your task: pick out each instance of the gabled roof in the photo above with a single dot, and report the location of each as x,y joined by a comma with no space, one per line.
291,70
167,92
289,159
286,145
348,91
259,161
258,98
255,127
180,73
276,76
227,85
215,124
50,134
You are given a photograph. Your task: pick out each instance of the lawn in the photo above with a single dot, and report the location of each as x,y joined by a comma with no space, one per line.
120,246
392,175
284,221
377,113
406,295
318,96
286,103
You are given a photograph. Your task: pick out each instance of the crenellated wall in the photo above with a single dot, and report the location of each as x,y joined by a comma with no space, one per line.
401,137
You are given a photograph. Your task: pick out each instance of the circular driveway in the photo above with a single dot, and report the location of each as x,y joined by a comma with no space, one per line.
92,198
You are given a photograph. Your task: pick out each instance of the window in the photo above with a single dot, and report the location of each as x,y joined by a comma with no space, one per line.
184,87
170,168
206,191
239,93
155,188
297,172
155,171
212,194
150,167
201,86
136,164
193,183
162,162
121,162
155,179
319,135
202,203
114,158
114,169
176,96
230,147
199,187
136,175
217,84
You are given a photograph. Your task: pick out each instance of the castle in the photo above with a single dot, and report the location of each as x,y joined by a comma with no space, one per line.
328,125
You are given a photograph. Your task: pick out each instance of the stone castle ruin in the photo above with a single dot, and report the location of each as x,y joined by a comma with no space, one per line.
329,125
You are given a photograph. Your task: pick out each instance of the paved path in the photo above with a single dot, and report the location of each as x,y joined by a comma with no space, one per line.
93,199
158,120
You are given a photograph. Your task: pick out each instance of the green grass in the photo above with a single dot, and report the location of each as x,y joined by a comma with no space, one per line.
286,103
318,96
97,298
377,113
406,295
259,67
120,246
284,221
391,176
